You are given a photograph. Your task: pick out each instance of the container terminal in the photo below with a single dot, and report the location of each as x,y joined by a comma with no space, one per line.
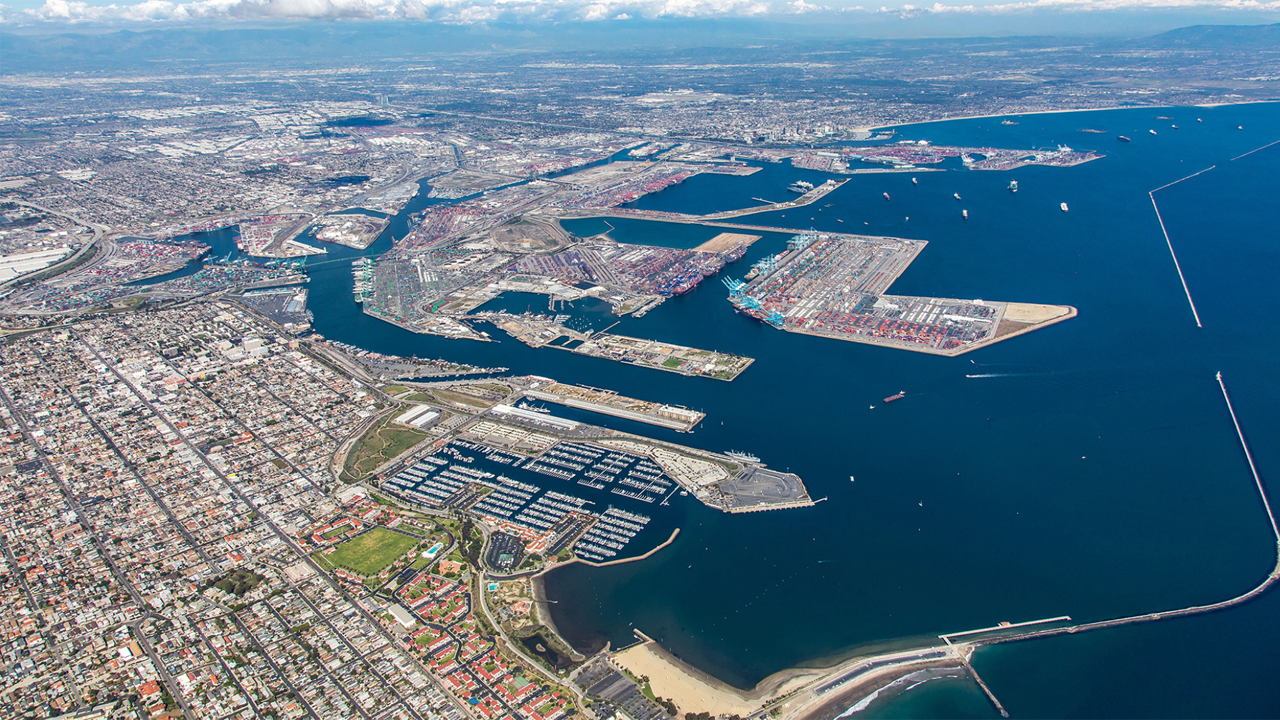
833,285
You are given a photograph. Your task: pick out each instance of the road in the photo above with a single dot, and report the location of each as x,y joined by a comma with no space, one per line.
99,230
275,529
69,496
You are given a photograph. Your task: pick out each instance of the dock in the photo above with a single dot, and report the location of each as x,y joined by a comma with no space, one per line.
607,402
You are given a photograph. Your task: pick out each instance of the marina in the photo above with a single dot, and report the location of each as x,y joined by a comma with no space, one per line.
548,515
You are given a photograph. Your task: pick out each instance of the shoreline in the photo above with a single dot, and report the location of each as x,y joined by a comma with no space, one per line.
539,587
1069,312
895,128
788,693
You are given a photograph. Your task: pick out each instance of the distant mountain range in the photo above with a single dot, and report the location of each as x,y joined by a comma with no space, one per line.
1237,36
315,43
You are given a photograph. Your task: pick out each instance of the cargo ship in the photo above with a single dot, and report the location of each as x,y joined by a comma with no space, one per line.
745,457
901,394
800,186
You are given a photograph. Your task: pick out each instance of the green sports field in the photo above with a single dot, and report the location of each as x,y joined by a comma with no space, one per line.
369,553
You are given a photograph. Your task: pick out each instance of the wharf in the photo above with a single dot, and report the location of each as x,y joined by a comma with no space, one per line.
833,285
714,219
652,354
665,356
808,198
610,403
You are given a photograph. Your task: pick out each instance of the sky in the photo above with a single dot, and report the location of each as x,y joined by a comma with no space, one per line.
27,13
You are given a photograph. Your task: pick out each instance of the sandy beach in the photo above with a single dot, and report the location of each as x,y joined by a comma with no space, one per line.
694,691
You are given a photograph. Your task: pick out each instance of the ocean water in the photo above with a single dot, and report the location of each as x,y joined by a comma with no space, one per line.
1087,469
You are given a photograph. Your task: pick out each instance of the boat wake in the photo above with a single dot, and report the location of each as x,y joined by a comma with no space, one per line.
996,375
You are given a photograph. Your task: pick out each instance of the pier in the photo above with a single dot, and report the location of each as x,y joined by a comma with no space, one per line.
611,403
1262,587
806,704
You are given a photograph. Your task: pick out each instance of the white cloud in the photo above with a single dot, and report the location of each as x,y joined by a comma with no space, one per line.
800,7
480,11
1083,6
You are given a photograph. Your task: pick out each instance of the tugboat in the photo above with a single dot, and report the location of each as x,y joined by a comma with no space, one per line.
915,181
886,196
1013,186
1063,206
